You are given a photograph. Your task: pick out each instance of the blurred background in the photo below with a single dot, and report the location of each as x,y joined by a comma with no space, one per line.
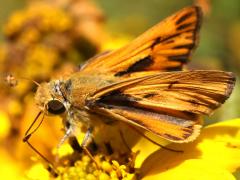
47,39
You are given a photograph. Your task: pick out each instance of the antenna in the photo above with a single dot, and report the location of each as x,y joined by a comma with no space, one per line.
30,127
12,81
26,138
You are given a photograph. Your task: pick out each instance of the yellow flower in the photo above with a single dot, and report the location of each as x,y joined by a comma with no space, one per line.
214,155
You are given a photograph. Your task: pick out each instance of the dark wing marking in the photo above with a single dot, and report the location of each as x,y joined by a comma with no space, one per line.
168,103
166,46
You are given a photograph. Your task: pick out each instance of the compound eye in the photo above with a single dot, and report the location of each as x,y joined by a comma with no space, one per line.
55,107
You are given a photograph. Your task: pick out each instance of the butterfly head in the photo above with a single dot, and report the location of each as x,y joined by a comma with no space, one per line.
50,98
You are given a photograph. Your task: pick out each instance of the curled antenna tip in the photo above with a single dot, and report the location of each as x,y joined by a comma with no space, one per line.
12,81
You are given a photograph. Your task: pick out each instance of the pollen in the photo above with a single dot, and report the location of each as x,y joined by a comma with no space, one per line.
85,168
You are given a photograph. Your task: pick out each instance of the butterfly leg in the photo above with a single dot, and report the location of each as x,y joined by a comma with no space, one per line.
87,139
74,144
133,155
124,140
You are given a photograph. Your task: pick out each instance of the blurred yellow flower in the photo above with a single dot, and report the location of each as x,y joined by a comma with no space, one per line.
41,16
9,169
40,60
40,42
4,125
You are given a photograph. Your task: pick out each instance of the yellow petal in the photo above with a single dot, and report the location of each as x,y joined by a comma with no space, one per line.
192,169
217,150
38,171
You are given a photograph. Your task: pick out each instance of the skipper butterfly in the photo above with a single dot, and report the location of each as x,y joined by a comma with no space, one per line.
142,84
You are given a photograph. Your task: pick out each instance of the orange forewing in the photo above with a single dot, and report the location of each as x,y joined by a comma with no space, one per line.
166,103
166,46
